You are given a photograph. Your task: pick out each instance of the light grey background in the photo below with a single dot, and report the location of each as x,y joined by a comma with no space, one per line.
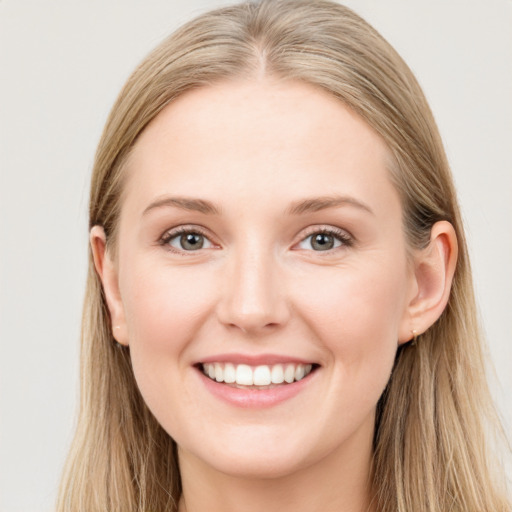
62,64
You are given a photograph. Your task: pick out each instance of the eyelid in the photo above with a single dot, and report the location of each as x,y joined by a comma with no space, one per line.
171,233
345,237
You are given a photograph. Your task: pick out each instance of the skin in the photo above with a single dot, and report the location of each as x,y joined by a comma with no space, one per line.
259,285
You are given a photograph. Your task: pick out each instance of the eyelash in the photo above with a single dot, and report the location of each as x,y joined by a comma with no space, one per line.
183,230
342,236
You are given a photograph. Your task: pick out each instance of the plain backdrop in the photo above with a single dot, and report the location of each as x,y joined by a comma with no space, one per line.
62,63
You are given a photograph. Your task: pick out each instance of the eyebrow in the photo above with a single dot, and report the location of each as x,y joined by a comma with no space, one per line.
316,204
185,203
300,207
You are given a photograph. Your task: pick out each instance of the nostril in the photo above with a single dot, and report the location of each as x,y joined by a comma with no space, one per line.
252,305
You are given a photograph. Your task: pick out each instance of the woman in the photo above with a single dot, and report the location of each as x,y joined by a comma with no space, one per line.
279,309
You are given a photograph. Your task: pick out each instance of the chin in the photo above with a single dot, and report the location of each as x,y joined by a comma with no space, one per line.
257,467
257,457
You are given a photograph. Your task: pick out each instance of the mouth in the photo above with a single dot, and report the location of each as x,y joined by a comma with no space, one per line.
260,377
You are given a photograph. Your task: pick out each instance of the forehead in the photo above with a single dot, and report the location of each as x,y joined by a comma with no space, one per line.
275,139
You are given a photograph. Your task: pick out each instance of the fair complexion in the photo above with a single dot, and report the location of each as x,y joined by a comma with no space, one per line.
259,225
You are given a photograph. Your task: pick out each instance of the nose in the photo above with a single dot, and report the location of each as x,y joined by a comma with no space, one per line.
253,295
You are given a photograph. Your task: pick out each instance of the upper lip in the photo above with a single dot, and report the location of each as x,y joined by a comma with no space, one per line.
254,360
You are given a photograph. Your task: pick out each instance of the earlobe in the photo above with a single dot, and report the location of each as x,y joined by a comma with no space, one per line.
434,268
107,272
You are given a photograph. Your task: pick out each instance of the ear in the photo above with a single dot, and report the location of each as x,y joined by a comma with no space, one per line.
434,267
107,272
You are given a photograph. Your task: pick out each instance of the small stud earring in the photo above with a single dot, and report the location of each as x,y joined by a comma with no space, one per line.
120,345
414,333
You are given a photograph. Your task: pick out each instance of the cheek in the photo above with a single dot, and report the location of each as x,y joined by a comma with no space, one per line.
164,308
356,314
355,301
165,305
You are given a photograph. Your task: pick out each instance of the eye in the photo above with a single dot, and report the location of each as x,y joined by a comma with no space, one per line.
326,240
184,239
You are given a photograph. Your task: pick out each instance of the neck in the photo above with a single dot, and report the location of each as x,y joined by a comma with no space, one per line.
338,482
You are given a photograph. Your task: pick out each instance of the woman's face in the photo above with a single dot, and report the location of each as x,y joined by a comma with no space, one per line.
260,238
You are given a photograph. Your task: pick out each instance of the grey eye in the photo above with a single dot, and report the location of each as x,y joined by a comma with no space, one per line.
322,242
190,241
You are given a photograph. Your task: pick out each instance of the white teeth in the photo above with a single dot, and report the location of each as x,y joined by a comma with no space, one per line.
289,373
262,375
244,375
229,373
277,374
219,374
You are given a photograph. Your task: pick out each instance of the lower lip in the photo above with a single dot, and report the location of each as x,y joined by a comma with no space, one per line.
255,398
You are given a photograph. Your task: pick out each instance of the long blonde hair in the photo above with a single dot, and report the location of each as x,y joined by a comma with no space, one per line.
430,445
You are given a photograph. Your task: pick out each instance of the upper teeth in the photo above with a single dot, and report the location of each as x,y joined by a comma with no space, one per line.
262,375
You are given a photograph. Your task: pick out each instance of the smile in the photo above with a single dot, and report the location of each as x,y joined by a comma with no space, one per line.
244,375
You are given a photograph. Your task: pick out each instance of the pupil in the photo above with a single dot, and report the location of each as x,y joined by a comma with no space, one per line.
323,242
192,241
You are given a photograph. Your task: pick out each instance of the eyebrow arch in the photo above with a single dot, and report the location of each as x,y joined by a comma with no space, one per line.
185,203
316,204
